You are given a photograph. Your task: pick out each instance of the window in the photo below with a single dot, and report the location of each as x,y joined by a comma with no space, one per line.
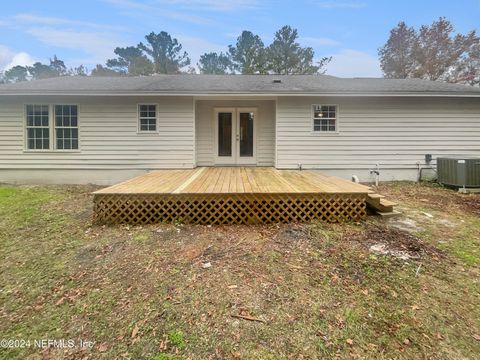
324,118
147,115
38,130
66,127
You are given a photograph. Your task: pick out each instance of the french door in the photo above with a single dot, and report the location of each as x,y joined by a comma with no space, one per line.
235,136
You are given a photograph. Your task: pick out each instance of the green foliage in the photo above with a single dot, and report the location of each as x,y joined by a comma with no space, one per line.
213,63
55,68
130,61
161,356
286,56
101,70
16,74
248,56
283,56
433,52
165,53
42,71
176,339
162,54
80,70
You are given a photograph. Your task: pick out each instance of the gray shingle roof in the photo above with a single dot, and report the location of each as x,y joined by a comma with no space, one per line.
233,85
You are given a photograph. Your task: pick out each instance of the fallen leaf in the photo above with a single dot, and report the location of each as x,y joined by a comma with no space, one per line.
135,331
349,341
103,347
476,337
61,301
406,342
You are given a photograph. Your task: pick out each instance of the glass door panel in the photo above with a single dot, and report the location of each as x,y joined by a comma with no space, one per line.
225,128
246,134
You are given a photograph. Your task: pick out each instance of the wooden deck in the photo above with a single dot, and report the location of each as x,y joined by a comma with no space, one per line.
231,195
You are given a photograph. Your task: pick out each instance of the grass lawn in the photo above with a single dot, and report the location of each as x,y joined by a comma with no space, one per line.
247,292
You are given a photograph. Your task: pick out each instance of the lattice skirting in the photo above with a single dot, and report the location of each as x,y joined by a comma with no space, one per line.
216,209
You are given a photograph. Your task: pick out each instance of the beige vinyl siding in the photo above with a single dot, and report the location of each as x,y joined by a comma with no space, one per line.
108,135
205,137
396,133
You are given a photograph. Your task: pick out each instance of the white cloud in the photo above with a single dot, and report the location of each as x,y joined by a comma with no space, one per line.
35,20
133,8
21,58
98,45
216,5
92,43
354,63
341,5
317,41
10,58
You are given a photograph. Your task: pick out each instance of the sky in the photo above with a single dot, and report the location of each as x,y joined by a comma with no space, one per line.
87,31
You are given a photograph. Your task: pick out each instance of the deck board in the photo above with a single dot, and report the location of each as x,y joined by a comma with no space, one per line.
234,180
231,195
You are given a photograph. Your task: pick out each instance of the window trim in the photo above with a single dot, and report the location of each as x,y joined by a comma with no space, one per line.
25,128
337,122
55,128
51,129
147,132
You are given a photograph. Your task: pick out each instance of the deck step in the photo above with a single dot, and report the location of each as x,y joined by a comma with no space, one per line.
386,203
389,214
379,204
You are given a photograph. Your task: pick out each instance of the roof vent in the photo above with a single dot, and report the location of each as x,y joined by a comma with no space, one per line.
277,81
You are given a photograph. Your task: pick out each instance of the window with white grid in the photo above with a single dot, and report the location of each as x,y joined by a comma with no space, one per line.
147,118
66,127
37,126
324,118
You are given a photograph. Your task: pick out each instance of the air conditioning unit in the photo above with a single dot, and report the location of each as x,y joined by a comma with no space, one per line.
459,171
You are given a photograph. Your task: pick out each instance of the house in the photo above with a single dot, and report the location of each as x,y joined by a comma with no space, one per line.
106,129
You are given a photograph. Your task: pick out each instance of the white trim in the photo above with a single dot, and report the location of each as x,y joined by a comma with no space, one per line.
250,160
235,159
25,128
194,124
147,132
275,161
51,130
223,160
337,122
54,145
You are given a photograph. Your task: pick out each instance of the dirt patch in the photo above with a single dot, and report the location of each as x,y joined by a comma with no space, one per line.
471,202
394,242
292,233
89,253
432,195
